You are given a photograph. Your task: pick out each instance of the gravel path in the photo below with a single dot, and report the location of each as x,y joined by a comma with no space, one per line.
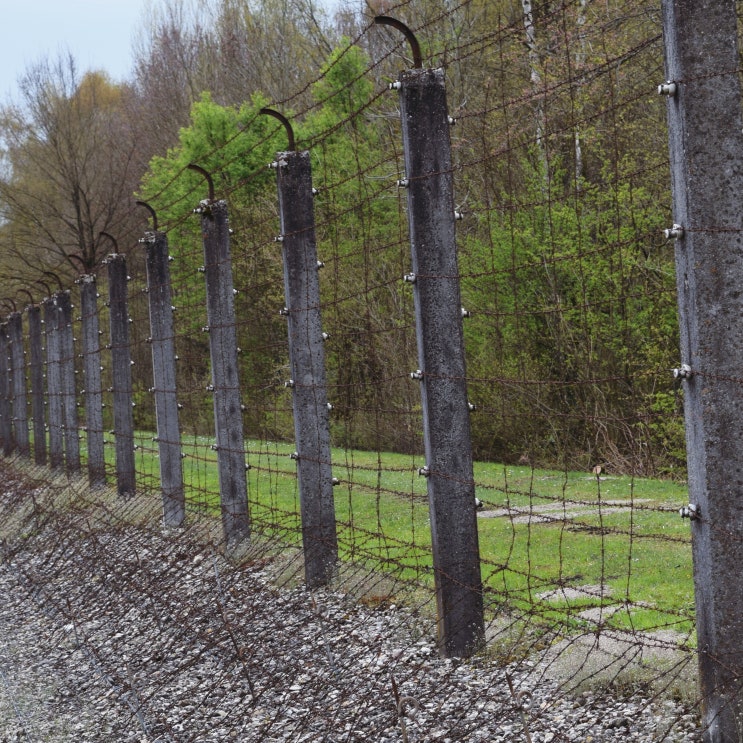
112,631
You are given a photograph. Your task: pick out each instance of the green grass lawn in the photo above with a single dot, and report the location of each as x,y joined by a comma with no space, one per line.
540,530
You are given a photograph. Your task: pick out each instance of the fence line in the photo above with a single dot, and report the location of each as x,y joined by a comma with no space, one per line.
505,483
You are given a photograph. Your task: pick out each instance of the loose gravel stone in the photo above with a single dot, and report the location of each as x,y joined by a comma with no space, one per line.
111,631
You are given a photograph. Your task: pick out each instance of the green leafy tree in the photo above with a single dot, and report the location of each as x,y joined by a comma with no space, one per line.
362,237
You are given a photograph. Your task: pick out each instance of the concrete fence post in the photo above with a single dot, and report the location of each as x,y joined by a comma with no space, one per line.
55,414
121,372
225,385
438,313
307,361
6,422
706,154
93,391
67,381
18,376
164,376
36,373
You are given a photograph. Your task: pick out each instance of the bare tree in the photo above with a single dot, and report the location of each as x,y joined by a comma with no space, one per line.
535,77
231,48
68,171
167,73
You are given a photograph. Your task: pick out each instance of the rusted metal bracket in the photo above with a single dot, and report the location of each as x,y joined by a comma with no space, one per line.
111,238
32,301
152,212
384,20
54,276
289,131
207,176
46,286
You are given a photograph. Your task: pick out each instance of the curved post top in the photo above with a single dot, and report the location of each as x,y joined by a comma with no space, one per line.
415,48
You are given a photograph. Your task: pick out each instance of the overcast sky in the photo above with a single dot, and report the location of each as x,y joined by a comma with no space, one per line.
99,33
